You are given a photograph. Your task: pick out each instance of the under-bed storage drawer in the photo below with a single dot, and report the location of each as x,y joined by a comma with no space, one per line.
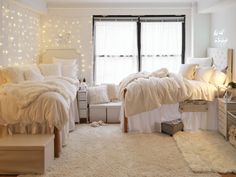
193,106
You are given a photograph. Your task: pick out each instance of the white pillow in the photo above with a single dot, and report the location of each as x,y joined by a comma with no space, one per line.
112,91
218,78
50,69
204,74
202,62
33,75
188,70
65,61
12,74
98,94
70,71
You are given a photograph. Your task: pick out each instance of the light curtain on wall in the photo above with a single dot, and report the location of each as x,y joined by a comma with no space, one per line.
161,45
116,50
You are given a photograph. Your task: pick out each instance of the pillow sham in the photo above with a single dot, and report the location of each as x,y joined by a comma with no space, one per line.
202,62
204,74
50,69
33,75
98,94
12,74
218,78
188,70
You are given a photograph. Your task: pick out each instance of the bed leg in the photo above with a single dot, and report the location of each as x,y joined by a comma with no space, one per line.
57,143
125,124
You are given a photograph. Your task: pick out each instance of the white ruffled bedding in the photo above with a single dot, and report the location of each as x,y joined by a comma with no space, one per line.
31,102
145,93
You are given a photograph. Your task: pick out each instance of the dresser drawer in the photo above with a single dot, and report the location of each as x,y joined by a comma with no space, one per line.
231,107
222,116
222,107
82,96
83,104
222,129
83,113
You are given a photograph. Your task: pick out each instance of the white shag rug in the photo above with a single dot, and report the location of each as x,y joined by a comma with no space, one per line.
207,151
107,152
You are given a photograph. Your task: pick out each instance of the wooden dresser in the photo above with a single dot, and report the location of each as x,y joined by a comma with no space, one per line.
223,108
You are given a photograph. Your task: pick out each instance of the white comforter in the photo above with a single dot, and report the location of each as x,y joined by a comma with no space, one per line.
145,92
37,102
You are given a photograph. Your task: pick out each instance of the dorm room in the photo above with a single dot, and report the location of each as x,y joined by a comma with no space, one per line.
95,88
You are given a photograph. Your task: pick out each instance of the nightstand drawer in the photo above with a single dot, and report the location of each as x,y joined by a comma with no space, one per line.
222,115
83,113
222,129
82,96
222,106
83,104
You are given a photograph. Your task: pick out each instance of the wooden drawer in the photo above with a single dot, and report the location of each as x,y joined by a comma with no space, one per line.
83,113
82,96
83,104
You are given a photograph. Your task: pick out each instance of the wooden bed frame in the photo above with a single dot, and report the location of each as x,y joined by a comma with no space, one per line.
222,60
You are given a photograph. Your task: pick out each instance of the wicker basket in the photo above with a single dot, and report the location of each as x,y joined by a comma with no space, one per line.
171,127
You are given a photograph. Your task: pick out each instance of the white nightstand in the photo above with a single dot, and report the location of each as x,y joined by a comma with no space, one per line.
223,108
83,106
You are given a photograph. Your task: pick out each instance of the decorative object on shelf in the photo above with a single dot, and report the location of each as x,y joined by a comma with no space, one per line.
83,85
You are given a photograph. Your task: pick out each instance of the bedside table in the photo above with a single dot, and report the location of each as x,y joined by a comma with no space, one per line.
83,106
223,108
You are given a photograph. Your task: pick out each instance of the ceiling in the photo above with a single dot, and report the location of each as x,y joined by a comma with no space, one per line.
118,3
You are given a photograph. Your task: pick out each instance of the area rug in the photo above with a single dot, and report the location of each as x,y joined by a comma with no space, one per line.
207,151
107,152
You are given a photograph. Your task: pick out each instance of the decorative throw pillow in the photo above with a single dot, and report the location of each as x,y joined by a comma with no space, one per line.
33,75
50,69
12,74
188,70
218,78
112,91
204,74
98,94
202,62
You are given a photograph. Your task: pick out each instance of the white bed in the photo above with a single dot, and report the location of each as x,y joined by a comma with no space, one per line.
151,121
49,106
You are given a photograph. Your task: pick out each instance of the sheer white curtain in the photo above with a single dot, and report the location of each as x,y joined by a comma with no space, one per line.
116,51
161,45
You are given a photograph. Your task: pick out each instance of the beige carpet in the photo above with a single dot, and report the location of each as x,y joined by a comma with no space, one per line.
107,152
207,151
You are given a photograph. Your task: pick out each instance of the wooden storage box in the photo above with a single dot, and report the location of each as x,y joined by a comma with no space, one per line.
193,106
171,127
20,154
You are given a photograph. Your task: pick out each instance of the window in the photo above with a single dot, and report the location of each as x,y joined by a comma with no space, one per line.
125,45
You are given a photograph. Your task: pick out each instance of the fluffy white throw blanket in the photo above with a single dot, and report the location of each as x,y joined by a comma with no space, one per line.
30,101
144,92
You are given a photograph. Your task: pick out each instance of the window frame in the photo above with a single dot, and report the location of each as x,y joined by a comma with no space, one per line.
138,19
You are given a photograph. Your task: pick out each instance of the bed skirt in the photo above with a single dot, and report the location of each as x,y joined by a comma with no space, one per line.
148,122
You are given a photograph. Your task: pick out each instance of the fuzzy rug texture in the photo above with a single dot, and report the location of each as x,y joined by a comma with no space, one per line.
207,151
107,152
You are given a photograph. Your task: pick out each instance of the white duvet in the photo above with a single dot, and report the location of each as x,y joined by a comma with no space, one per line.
32,102
145,92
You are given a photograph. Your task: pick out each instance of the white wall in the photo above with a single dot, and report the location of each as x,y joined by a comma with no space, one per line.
224,21
201,32
84,29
